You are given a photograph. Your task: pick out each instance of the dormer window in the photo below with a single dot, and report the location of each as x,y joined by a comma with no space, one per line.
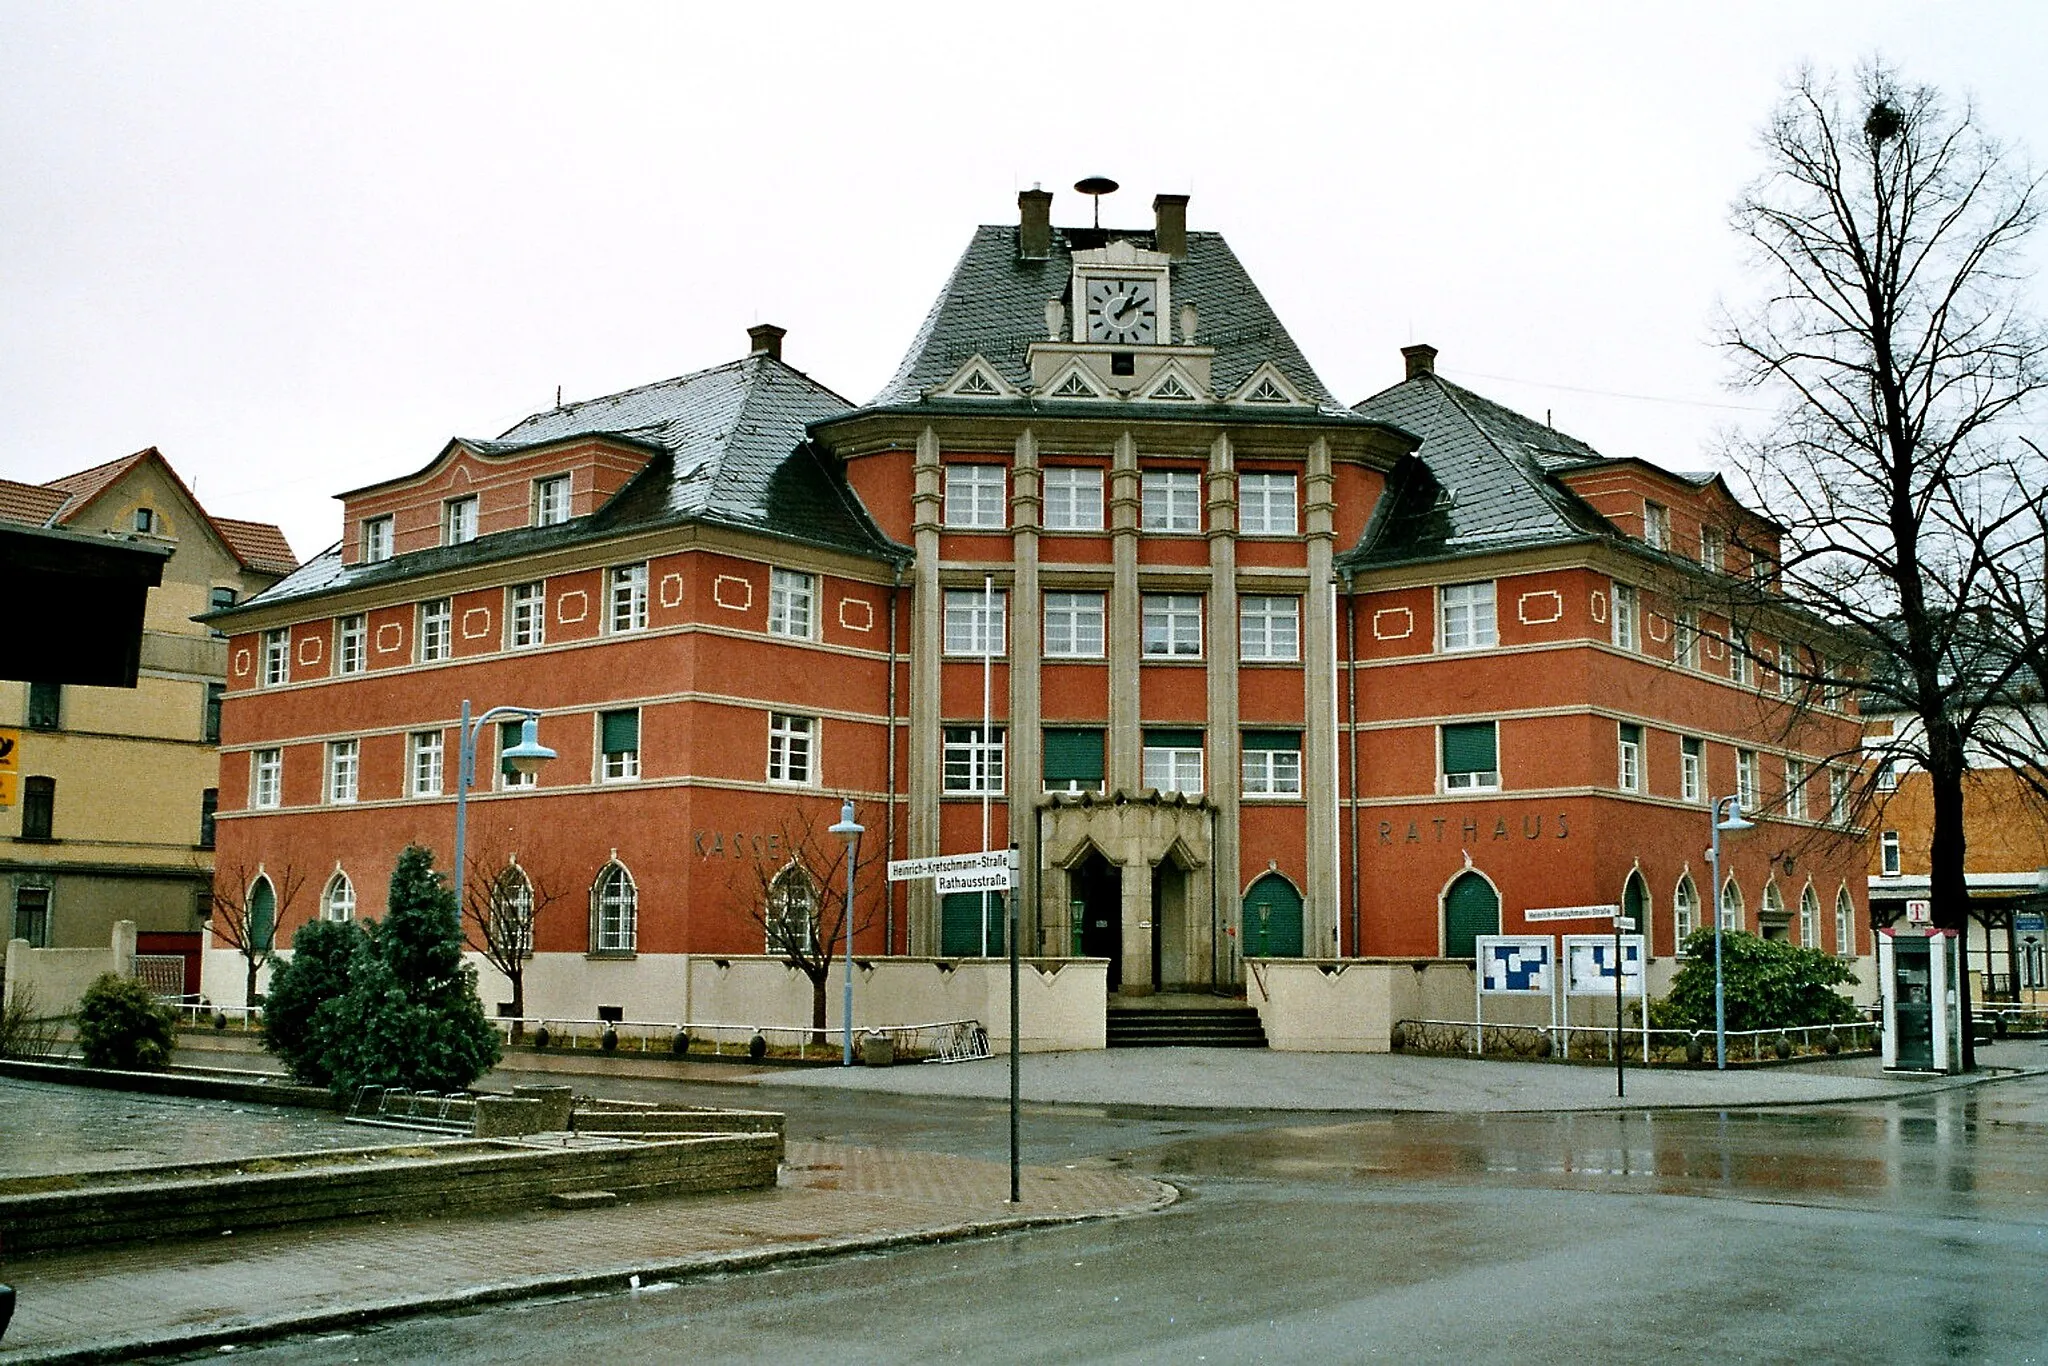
551,500
458,520
1656,525
376,539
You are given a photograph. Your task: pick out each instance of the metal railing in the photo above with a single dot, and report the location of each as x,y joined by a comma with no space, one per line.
940,1041
394,1107
200,1015
1662,1046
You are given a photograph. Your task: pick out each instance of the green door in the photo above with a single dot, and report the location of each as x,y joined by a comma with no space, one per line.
960,924
262,916
1272,919
1470,909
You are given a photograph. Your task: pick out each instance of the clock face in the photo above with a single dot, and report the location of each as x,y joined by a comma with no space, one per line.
1124,311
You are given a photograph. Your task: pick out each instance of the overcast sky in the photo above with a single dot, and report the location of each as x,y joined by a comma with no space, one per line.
297,247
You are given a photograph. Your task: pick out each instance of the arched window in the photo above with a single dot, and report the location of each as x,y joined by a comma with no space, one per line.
1685,910
1845,924
1731,905
261,921
338,901
615,911
792,913
1771,912
512,913
1471,908
1809,917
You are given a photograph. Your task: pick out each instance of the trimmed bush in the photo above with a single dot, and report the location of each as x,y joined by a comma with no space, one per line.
1768,984
121,1025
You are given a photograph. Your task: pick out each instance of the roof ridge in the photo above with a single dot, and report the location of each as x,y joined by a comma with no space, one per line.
651,385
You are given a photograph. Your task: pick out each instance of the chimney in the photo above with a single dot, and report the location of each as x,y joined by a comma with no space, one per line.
1421,359
767,339
1034,230
1170,225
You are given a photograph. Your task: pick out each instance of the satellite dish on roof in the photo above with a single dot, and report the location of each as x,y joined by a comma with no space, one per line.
1095,187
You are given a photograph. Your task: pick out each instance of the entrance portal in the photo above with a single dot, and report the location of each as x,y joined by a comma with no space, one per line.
1096,886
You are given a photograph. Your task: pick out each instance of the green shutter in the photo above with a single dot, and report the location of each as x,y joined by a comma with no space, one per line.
1273,740
621,731
960,924
1470,909
1631,734
1073,756
1272,919
1470,748
508,736
1173,739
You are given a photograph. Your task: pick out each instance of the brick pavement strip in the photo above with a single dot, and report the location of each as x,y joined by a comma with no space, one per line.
830,1199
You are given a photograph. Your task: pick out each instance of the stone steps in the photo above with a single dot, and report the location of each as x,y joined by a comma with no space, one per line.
1197,1027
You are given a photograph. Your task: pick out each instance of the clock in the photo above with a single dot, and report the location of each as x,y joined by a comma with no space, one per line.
1125,311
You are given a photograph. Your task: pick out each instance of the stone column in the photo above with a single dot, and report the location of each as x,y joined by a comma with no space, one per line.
1024,771
1137,912
1319,670
1126,741
927,648
1225,775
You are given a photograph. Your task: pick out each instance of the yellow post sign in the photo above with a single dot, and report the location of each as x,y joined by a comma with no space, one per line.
10,765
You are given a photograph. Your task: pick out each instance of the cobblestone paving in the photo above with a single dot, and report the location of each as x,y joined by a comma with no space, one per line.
828,1195
47,1128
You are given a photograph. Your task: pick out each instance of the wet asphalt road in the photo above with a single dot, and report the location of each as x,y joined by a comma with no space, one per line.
1908,1231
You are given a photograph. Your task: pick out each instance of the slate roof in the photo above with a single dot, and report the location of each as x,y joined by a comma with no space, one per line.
1483,479
729,447
993,305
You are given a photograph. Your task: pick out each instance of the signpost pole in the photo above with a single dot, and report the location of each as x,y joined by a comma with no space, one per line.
1016,1044
1620,1053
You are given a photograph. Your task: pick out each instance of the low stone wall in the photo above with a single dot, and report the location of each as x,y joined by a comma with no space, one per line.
277,1092
623,1118
57,978
85,1210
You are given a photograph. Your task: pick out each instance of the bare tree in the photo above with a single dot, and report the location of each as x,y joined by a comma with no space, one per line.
1888,227
501,906
795,892
245,907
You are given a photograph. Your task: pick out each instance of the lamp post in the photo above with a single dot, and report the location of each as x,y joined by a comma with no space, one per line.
526,757
1731,823
850,830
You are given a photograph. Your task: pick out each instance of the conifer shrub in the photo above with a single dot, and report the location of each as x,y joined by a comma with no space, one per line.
122,1025
302,1016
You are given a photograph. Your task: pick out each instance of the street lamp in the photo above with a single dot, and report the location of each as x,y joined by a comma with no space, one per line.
526,757
1731,823
848,829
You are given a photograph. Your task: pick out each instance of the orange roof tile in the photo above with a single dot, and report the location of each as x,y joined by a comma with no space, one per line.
34,504
260,545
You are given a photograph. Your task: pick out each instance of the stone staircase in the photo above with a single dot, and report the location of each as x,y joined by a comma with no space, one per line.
1185,1023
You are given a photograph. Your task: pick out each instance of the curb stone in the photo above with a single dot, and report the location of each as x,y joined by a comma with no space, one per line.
615,1279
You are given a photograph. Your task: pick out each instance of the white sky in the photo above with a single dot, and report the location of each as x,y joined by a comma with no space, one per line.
297,247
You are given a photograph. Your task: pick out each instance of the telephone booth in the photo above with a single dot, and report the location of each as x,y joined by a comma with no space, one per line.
1918,969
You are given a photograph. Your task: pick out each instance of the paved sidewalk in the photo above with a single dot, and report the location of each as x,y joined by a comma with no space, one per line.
117,1304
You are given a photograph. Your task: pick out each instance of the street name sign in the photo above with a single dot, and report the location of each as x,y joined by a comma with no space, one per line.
1543,913
948,881
912,869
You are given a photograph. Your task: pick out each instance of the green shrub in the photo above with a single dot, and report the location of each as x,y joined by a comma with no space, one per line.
121,1024
389,1004
1767,983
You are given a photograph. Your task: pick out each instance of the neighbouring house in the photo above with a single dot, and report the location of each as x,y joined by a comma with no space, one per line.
1105,572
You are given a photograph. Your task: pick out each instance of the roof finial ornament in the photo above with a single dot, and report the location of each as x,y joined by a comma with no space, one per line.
1095,187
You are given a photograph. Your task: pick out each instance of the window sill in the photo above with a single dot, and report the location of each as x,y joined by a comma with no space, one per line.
37,839
611,955
1269,797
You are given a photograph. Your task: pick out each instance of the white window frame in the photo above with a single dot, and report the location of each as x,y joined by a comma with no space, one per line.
1733,915
551,495
1887,775
977,497
514,781
1809,917
620,766
1838,795
1890,856
266,779
1170,502
1685,911
1468,615
792,603
1622,604
1268,628
1796,775
1692,769
1685,639
437,630
1174,768
425,773
1271,772
977,624
1788,672
351,644
1267,505
1656,525
1713,550
378,539
1741,668
626,598
459,520
338,898
1845,926
344,770
1073,498
1749,786
1171,625
792,749
615,926
1628,756
1076,626
526,615
277,657
972,764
